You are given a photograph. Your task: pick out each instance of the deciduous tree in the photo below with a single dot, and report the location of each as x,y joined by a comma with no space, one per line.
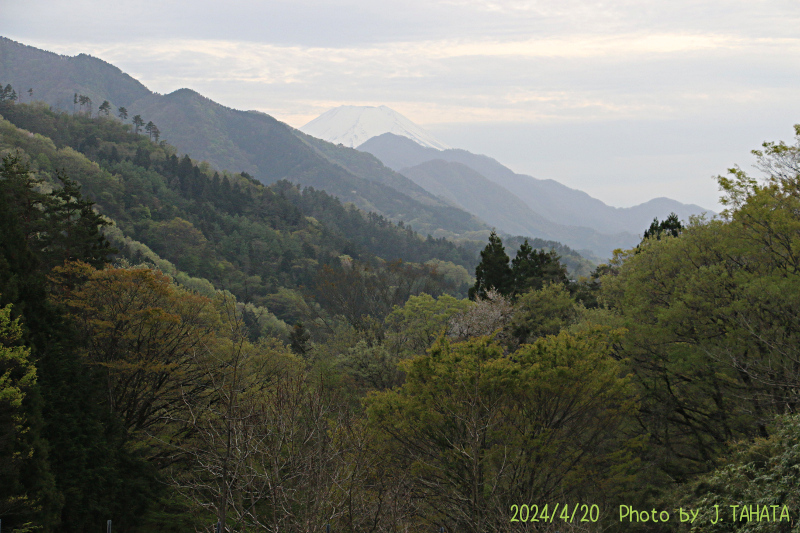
142,331
257,445
479,431
18,503
713,329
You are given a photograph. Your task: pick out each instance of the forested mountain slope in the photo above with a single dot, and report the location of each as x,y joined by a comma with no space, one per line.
256,143
262,243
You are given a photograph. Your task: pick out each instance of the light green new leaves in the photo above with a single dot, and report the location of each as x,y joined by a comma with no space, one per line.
17,373
480,431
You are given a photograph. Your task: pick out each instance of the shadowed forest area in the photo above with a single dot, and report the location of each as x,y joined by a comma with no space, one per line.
182,346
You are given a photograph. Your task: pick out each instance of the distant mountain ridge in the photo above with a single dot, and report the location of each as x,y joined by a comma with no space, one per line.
467,189
548,198
353,125
56,78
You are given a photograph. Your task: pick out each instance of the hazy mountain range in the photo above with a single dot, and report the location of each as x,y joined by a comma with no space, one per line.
546,198
436,190
512,203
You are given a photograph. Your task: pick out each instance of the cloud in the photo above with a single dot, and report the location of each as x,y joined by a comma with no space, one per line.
582,77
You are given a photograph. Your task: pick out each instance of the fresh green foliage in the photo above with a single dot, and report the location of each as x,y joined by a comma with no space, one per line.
414,327
82,467
543,312
145,393
713,327
17,382
761,478
478,431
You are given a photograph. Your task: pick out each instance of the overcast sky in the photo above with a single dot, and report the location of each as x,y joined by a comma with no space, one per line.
626,100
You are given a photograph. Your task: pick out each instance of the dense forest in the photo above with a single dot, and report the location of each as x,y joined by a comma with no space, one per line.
183,348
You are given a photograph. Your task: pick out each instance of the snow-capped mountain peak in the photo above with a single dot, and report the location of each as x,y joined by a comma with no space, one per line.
355,125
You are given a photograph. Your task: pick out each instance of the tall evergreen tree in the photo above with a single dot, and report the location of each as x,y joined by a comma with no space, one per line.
493,271
76,234
7,93
532,269
138,122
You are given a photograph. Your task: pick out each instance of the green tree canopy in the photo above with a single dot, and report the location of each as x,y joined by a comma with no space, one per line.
712,318
478,432
542,312
533,269
759,474
18,503
414,326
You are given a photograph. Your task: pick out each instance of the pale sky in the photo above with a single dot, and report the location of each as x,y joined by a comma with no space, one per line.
626,100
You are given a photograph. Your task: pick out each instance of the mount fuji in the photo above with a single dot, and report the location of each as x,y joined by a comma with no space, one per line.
354,125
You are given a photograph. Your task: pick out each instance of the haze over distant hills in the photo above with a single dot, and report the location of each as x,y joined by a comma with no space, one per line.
548,198
511,202
353,125
461,199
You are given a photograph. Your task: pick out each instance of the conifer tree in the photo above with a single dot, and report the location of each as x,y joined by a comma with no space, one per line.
8,94
122,112
138,122
299,338
669,226
532,269
78,235
493,271
84,100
